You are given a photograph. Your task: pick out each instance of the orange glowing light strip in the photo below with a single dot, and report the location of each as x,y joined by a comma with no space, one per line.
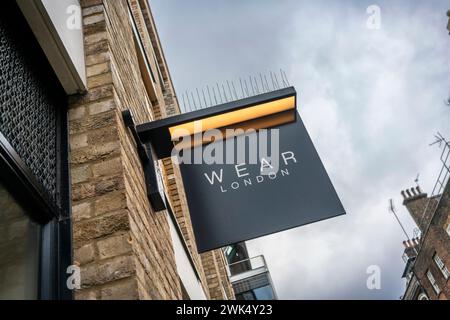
231,118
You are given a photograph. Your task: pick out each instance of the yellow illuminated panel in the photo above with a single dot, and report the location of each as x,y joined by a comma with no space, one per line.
270,121
233,117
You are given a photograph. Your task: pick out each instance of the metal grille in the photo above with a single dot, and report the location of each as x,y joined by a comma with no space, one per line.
28,103
252,283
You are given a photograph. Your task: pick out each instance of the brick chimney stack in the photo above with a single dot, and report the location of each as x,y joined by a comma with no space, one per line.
416,201
412,194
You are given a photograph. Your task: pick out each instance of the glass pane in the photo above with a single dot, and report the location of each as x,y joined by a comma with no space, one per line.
264,293
19,250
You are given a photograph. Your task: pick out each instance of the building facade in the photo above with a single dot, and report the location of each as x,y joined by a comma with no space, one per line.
69,74
427,257
448,25
250,276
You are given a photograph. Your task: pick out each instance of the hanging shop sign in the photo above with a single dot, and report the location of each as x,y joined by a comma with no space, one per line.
249,168
230,203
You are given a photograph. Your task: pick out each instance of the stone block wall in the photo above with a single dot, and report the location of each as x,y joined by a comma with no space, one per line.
123,248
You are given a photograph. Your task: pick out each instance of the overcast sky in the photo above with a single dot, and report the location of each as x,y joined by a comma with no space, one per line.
371,99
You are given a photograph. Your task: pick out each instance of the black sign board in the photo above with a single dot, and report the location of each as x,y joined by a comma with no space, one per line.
230,203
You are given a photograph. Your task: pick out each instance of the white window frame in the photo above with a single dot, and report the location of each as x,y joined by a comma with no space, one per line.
433,282
441,265
448,229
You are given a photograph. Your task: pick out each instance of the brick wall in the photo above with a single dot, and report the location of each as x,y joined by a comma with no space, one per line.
124,249
216,275
222,266
434,239
420,206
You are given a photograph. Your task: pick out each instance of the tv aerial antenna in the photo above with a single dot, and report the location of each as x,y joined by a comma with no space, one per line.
417,179
439,140
394,211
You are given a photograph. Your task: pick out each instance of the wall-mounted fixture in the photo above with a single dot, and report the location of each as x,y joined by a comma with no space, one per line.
153,179
258,112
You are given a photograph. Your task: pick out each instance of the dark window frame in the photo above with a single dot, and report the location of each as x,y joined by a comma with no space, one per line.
56,236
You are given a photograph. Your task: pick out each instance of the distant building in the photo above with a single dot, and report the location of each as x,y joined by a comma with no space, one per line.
427,256
414,291
250,277
448,25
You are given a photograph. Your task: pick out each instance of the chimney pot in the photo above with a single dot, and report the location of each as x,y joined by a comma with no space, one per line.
408,193
403,194
413,192
419,190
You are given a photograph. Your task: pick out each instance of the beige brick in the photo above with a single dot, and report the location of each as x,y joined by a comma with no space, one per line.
82,211
107,271
96,48
78,141
96,58
82,191
96,37
100,80
87,295
84,255
98,69
93,122
77,113
103,135
92,10
102,106
80,174
94,19
102,226
110,202
125,289
90,3
107,168
99,93
109,184
114,246
95,153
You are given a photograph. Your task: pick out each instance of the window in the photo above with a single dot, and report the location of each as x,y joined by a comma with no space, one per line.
19,250
160,77
145,68
448,229
433,282
262,293
441,266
